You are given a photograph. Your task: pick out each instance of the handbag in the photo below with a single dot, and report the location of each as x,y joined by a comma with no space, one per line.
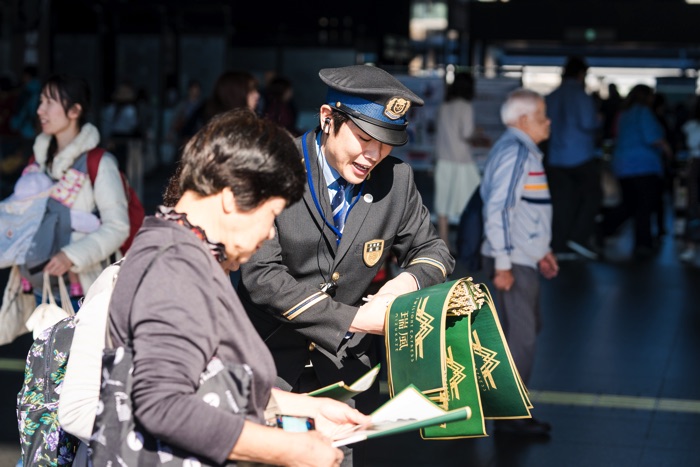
119,439
17,306
447,341
49,312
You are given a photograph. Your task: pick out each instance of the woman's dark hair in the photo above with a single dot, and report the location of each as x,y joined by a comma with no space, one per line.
461,87
254,157
278,87
230,92
641,94
278,104
69,90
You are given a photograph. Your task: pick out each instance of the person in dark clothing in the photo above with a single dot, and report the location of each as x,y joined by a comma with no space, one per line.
572,168
279,104
232,90
637,164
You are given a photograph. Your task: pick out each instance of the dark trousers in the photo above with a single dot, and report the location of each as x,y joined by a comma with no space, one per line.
639,200
576,199
519,313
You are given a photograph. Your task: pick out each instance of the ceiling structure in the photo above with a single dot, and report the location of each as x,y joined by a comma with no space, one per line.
608,32
659,34
521,30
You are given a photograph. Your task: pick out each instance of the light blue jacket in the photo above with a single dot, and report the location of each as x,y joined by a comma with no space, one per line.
574,123
517,206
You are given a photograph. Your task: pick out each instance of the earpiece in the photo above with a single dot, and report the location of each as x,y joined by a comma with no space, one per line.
326,124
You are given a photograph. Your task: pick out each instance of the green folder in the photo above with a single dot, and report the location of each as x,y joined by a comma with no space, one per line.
343,392
447,341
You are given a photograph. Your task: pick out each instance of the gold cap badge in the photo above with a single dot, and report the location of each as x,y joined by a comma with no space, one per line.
396,107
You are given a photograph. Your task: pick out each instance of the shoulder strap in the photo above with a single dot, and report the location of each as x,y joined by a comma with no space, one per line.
94,156
136,283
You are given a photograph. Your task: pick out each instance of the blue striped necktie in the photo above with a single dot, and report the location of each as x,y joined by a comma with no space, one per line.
339,205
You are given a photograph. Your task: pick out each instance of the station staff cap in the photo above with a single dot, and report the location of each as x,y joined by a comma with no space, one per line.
374,100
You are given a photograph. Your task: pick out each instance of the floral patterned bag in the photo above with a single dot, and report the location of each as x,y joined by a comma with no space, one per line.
43,441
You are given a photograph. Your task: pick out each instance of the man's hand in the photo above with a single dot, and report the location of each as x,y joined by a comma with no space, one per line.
371,316
399,285
503,279
548,265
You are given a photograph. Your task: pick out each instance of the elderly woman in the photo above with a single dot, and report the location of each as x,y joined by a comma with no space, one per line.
236,175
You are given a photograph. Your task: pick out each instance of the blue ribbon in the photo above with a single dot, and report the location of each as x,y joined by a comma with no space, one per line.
310,181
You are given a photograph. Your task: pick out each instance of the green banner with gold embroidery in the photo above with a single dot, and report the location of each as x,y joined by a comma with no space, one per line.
503,394
415,341
462,389
447,341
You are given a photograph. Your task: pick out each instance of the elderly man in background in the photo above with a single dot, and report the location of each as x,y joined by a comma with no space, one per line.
517,226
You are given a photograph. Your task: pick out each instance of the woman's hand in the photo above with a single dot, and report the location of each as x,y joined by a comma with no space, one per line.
314,450
258,443
333,418
58,265
337,419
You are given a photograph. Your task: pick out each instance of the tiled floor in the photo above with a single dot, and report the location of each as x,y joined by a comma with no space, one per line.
616,373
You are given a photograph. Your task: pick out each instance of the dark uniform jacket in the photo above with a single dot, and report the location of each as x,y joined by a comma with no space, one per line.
281,285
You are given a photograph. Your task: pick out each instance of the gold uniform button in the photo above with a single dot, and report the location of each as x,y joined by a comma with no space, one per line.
335,276
312,346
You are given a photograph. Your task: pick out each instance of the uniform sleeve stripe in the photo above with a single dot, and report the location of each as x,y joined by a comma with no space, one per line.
304,305
431,262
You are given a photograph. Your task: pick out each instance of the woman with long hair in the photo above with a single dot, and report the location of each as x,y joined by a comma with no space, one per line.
60,156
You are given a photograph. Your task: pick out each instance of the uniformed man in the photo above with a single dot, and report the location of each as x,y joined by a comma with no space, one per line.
304,289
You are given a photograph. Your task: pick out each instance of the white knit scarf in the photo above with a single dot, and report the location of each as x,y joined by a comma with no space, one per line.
88,138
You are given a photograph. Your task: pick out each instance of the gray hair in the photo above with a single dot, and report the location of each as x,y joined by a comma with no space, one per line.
519,102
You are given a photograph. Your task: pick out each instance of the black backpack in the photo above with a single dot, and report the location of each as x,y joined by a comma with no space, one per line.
470,233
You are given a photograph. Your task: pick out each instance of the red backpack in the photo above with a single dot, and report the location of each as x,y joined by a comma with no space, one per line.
135,208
